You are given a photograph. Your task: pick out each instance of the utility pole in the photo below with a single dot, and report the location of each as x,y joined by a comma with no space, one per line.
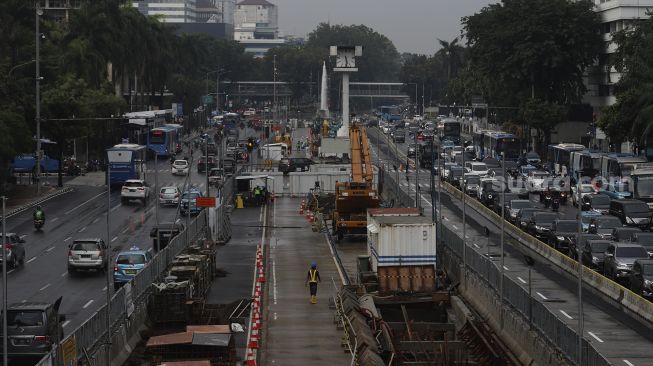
417,203
503,222
108,271
580,279
38,14
5,336
156,195
462,185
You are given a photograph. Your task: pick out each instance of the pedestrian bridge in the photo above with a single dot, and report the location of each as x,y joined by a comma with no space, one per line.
283,89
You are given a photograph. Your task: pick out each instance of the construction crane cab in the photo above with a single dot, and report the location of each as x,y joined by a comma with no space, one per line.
353,198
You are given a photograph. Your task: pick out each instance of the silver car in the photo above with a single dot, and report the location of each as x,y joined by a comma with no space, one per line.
169,195
15,250
85,254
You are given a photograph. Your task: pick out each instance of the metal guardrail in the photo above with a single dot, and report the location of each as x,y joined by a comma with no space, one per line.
92,333
346,325
544,321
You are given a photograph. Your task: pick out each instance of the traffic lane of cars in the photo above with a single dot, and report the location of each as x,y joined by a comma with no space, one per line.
45,277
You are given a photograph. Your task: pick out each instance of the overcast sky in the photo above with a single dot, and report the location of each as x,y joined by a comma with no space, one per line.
412,25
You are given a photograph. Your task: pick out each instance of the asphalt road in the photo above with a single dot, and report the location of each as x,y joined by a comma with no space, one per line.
617,336
83,214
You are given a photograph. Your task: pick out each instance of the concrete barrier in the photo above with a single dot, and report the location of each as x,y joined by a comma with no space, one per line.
623,298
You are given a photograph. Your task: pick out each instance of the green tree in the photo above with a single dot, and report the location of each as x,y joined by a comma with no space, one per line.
543,116
534,49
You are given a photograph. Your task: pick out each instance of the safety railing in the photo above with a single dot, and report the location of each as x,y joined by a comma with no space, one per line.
92,333
348,329
552,328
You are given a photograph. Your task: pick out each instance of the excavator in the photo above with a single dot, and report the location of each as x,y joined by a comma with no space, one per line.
353,198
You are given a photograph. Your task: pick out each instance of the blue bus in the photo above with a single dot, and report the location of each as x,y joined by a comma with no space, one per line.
162,140
493,144
559,157
585,163
179,135
126,161
389,113
230,120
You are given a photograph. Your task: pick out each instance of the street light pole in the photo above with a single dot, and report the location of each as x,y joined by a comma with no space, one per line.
417,203
156,195
580,277
530,262
38,14
462,186
108,271
503,221
5,337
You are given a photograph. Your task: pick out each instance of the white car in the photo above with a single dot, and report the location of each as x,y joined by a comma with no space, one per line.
249,112
180,167
169,195
536,180
134,189
478,168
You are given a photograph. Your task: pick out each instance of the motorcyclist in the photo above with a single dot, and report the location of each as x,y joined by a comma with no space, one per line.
39,215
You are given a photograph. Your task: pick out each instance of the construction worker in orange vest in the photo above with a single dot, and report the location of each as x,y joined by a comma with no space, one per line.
312,279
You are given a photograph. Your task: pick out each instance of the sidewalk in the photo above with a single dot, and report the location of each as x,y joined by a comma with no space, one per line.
299,333
25,195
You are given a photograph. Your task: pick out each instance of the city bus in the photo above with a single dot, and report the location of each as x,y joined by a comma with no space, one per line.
162,140
179,135
619,165
449,129
389,113
126,161
493,144
559,157
585,163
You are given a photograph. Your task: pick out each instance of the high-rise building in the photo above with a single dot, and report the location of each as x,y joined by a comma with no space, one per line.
256,19
59,9
216,11
170,11
615,16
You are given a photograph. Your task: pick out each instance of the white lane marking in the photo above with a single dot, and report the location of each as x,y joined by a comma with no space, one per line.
521,279
87,304
54,219
275,318
64,274
446,218
83,203
542,296
44,287
455,227
31,260
628,363
96,220
9,271
506,268
595,337
104,288
149,250
115,207
68,238
82,230
49,249
476,245
23,236
565,314
65,323
23,301
127,228
114,239
274,282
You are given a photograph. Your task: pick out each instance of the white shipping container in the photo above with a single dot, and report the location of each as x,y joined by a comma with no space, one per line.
400,240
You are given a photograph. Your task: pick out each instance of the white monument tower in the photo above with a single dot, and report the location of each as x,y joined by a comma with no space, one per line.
324,106
345,63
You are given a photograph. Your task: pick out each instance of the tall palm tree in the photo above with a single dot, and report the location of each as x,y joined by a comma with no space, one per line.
450,50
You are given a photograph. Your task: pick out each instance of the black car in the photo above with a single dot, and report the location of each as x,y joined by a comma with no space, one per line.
540,224
455,175
593,254
631,212
624,234
524,216
576,247
287,165
399,135
489,191
645,240
427,156
604,225
472,181
598,202
32,329
229,166
641,277
562,234
501,200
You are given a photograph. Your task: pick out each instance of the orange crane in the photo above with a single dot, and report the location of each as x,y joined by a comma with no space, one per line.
353,198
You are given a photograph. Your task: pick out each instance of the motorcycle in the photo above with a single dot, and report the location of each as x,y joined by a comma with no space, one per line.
555,205
38,224
547,200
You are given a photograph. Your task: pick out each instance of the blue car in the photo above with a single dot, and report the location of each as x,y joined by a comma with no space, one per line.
128,264
616,191
189,201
